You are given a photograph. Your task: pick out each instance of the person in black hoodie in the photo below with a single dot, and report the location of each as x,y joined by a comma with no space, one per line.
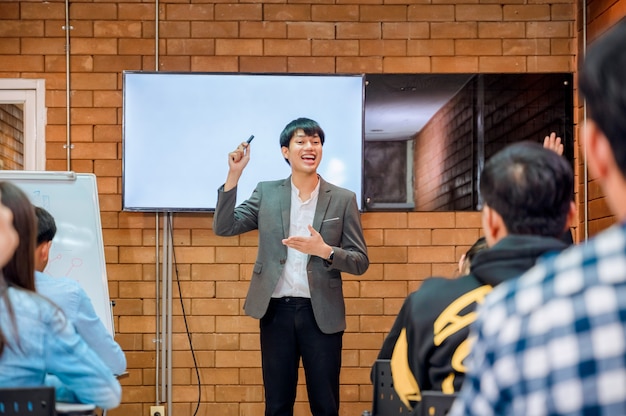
526,193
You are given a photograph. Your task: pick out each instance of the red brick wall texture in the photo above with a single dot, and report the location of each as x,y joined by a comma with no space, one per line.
327,36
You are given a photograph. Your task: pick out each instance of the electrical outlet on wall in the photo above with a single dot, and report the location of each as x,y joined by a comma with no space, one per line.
157,410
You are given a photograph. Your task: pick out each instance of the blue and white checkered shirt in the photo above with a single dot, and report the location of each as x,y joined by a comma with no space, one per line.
553,342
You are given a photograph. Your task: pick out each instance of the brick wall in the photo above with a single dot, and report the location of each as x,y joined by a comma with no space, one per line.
11,137
601,15
445,176
490,112
399,36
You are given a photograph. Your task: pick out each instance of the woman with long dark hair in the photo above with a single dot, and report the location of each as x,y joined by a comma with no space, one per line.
36,341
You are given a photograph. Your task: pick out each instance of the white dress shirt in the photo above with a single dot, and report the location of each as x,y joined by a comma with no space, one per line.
294,280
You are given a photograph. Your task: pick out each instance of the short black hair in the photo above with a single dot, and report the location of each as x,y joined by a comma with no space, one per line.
530,187
602,83
310,128
46,226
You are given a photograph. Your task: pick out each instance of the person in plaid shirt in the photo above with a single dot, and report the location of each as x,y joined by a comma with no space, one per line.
553,342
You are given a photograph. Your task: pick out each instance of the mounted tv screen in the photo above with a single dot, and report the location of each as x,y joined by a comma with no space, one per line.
178,129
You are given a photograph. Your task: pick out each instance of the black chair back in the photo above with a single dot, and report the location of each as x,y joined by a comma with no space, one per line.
386,402
27,401
436,403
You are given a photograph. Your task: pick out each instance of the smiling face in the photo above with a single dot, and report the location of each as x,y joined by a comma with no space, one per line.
304,153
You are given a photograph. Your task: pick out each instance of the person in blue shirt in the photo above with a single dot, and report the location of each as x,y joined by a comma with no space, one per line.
35,337
73,300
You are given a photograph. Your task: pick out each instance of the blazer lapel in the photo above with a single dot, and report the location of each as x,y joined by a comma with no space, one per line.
323,200
285,204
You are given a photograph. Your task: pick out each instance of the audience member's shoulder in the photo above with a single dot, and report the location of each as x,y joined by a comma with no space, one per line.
604,253
434,282
608,244
442,286
42,279
63,291
35,309
561,275
26,300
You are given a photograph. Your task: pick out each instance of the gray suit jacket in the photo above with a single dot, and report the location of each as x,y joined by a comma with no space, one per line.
337,219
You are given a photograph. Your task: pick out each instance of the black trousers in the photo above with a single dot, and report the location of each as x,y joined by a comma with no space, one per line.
289,332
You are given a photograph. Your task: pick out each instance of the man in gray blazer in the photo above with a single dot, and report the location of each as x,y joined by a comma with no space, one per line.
309,232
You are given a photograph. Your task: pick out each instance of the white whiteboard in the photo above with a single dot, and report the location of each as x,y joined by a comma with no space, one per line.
77,250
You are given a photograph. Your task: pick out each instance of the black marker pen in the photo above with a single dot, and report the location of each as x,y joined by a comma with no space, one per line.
250,138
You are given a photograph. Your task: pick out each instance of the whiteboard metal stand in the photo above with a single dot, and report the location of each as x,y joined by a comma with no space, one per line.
164,330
